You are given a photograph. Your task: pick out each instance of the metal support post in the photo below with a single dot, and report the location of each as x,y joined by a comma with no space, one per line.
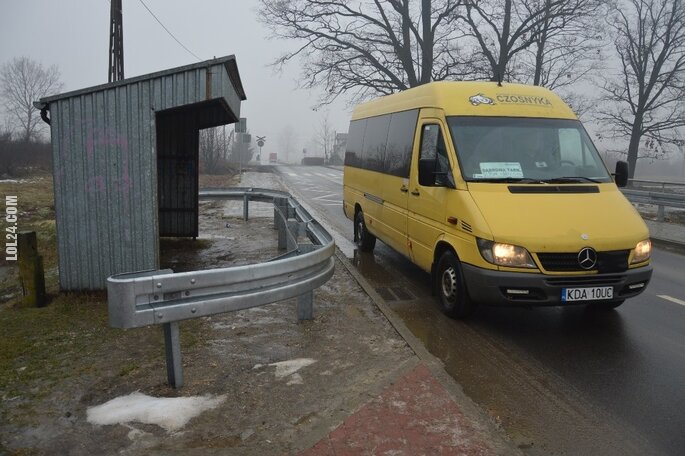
246,205
281,221
660,213
172,345
292,234
31,272
305,306
279,208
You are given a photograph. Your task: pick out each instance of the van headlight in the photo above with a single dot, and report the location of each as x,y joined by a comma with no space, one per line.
642,251
501,254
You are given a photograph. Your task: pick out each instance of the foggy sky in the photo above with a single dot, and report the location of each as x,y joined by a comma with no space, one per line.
74,35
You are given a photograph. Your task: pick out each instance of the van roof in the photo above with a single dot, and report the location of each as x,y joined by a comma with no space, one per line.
472,98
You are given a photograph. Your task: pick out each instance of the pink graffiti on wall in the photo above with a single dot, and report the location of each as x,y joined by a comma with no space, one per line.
108,145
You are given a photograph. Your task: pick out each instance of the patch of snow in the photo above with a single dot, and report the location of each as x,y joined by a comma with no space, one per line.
285,368
170,413
295,379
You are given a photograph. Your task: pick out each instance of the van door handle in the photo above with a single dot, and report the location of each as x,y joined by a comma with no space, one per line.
415,192
404,189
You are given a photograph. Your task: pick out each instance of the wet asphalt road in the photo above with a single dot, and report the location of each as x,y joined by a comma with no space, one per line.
559,380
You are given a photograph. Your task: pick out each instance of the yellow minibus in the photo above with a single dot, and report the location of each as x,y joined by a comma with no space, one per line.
498,191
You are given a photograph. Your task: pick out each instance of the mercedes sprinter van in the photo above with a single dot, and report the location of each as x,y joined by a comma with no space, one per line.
498,191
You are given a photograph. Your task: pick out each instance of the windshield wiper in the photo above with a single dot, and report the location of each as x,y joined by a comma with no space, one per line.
571,179
510,180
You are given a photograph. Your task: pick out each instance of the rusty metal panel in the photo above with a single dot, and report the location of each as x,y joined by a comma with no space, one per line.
106,167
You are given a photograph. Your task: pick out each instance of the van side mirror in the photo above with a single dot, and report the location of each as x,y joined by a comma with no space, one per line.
621,175
427,172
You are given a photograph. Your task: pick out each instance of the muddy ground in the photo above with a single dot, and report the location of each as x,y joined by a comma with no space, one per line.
356,353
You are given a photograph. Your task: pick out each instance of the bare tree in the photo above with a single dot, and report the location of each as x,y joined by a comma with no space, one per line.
325,137
567,47
538,41
647,98
374,47
23,81
215,146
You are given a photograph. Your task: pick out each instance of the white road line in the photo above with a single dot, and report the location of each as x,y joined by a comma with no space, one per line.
672,299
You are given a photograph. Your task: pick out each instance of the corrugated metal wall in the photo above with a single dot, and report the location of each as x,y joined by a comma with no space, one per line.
105,164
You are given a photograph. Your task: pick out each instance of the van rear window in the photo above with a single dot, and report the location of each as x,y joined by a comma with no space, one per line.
505,148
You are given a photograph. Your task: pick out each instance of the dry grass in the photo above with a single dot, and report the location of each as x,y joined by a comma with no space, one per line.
41,348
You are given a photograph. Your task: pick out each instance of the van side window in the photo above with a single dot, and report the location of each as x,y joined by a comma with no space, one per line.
374,155
355,138
382,143
401,142
433,148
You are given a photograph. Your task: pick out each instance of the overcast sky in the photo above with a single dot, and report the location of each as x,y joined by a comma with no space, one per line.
74,35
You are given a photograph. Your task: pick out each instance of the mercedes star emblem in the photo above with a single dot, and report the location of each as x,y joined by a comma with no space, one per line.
587,258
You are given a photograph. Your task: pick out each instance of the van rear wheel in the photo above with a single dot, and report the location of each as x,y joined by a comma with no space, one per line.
451,289
364,240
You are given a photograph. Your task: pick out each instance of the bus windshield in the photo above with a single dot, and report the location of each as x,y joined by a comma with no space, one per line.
508,149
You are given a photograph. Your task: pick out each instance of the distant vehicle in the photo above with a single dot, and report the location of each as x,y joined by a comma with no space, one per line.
273,157
498,192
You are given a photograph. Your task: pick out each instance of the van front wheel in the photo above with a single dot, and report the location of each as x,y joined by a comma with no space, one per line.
451,289
364,240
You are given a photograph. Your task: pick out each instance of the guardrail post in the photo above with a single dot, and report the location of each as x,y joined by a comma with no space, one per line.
246,205
172,346
305,306
279,205
295,229
660,213
281,221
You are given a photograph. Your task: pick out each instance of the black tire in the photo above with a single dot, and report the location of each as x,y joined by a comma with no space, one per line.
606,305
450,287
364,240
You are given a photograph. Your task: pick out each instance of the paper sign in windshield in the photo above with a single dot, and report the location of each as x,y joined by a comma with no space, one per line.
496,170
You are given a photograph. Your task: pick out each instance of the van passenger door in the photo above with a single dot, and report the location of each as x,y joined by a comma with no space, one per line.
428,199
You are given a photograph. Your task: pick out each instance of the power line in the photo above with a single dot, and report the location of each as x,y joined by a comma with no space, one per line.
167,30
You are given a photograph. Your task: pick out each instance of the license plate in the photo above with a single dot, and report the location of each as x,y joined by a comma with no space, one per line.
587,294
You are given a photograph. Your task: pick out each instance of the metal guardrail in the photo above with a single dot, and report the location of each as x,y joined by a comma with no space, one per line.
662,186
164,297
660,194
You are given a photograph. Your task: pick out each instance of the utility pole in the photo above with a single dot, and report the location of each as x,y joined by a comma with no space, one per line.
116,42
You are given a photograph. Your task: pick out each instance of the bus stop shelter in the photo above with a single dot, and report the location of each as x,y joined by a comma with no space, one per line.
125,165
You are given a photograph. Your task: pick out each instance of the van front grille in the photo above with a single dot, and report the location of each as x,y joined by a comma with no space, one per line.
585,281
607,262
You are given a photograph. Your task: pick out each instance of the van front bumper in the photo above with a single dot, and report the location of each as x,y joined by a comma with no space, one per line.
490,287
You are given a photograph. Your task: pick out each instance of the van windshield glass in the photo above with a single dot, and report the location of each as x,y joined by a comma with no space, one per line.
506,149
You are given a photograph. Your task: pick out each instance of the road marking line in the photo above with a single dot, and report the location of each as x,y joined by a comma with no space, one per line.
672,299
